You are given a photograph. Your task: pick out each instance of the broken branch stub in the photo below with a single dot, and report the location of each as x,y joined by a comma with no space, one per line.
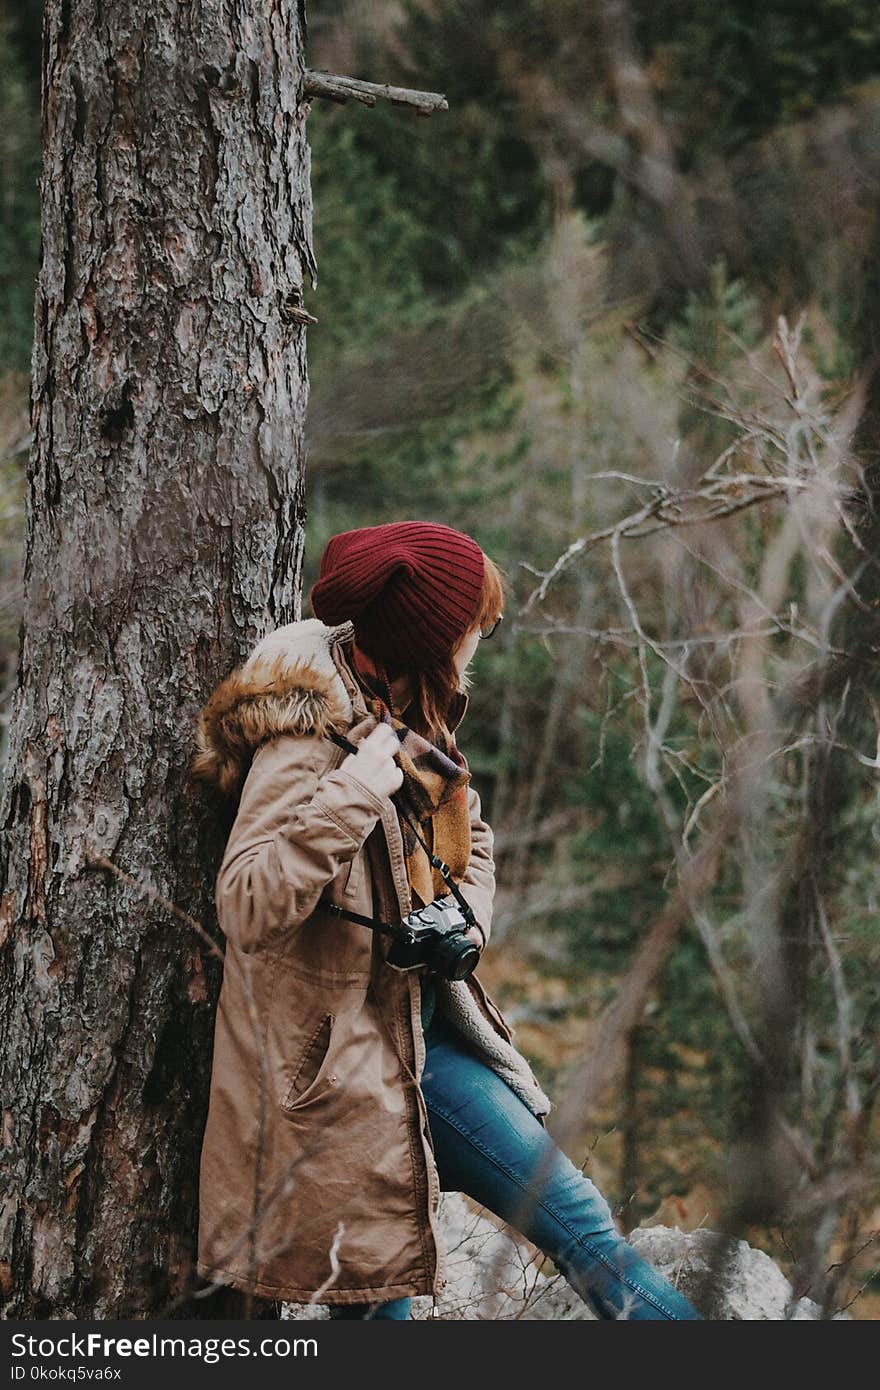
334,87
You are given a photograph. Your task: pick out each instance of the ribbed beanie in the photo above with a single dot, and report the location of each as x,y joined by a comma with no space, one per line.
411,588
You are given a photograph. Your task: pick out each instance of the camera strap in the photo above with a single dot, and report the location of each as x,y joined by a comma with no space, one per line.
388,928
401,802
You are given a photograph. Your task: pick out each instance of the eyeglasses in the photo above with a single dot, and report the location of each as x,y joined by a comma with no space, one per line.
486,633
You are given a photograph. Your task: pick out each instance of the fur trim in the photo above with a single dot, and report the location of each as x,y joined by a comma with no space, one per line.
288,685
456,1002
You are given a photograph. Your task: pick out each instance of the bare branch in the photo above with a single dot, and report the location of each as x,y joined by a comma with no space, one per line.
675,508
335,87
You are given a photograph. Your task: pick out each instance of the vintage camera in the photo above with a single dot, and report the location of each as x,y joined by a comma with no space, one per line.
437,938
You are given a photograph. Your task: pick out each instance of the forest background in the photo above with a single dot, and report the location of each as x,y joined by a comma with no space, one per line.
625,288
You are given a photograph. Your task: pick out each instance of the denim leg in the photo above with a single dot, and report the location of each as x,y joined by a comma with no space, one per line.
395,1310
488,1144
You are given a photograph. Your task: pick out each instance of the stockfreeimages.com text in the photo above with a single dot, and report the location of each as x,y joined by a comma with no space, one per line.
208,1349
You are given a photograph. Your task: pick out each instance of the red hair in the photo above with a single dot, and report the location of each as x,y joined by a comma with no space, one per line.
434,688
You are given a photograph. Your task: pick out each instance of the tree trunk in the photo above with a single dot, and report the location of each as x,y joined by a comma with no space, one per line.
164,534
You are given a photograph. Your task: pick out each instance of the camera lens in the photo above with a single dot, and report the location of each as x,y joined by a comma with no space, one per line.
455,957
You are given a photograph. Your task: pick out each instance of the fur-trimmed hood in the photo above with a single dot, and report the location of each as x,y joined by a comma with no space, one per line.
291,683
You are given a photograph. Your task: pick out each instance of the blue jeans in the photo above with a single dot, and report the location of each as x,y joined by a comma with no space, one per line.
488,1144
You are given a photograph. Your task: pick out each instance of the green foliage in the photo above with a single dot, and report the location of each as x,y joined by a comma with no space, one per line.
625,849
716,325
717,322
727,73
19,207
371,249
470,177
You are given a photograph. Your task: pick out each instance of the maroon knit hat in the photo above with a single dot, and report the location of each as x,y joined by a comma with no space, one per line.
411,588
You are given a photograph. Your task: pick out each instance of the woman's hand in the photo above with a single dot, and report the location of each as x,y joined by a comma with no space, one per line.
373,763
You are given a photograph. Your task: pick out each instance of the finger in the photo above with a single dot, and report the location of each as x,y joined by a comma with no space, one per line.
374,744
364,727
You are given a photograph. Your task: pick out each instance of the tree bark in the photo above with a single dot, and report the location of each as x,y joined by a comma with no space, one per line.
164,533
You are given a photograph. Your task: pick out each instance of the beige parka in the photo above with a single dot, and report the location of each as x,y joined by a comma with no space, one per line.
317,1180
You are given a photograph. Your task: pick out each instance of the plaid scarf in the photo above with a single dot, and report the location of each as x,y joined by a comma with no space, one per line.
435,783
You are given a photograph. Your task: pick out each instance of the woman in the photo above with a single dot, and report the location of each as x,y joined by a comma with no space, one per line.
347,1091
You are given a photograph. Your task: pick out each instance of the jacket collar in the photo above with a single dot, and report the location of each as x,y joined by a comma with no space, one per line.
296,680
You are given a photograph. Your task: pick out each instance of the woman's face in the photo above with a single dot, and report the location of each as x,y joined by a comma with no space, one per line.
464,652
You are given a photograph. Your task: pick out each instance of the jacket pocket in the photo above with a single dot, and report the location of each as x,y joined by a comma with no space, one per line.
310,1070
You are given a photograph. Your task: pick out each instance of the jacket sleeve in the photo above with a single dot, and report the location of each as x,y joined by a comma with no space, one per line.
478,883
293,832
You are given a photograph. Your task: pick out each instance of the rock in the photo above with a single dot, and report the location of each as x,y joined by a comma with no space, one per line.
745,1283
493,1276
